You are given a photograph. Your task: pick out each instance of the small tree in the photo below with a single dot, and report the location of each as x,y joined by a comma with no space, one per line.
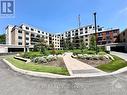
65,45
53,49
2,39
82,45
41,45
70,45
92,44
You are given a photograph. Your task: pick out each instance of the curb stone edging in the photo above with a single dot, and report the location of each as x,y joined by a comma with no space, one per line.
50,75
33,73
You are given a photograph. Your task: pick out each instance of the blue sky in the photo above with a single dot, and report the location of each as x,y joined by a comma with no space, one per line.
56,16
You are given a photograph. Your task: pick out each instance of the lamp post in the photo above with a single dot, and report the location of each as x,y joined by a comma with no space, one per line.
95,26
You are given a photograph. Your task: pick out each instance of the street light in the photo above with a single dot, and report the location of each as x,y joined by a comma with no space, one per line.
95,26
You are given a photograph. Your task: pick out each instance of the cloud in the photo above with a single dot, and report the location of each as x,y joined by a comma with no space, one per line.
123,10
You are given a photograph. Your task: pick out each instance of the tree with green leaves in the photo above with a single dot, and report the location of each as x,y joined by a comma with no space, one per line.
52,48
82,45
65,45
70,45
2,39
92,44
41,45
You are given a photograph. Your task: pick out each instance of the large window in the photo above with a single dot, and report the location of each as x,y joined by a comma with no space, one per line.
123,33
99,34
27,43
38,31
27,33
86,32
107,33
32,29
19,43
19,31
90,27
19,37
27,38
27,28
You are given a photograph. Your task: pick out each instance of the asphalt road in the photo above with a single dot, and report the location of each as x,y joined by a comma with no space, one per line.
13,83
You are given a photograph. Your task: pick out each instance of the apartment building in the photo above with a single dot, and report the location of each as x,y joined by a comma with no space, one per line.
123,36
75,36
26,36
107,36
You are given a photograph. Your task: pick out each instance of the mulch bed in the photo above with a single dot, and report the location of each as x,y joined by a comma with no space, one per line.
58,63
95,63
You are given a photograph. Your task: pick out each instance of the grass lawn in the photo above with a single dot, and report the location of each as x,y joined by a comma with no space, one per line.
38,67
113,65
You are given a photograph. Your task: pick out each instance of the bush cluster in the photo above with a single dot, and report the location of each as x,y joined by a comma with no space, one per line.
44,59
89,57
31,55
76,52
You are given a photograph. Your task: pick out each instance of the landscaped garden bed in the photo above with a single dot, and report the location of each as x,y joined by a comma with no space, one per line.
107,63
93,60
113,65
52,65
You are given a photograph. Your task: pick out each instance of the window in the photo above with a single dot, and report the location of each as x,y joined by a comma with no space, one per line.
19,31
86,44
32,29
19,37
107,33
27,33
81,29
27,43
86,39
27,28
99,34
90,27
99,29
27,38
86,35
81,32
86,28
123,33
42,32
108,38
19,43
86,32
38,31
124,40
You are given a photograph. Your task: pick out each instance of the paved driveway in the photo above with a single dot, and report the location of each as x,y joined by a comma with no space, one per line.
13,83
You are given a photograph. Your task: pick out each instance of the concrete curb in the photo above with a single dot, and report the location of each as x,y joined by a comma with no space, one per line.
50,75
39,74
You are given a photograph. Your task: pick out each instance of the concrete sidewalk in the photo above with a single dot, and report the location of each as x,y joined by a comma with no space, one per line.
78,68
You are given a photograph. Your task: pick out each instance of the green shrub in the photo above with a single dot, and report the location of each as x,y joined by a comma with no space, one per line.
102,53
31,54
76,52
90,52
59,52
101,48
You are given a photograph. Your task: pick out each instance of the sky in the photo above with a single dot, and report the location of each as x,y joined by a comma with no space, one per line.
58,16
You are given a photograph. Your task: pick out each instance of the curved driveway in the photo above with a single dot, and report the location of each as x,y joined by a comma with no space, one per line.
13,83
